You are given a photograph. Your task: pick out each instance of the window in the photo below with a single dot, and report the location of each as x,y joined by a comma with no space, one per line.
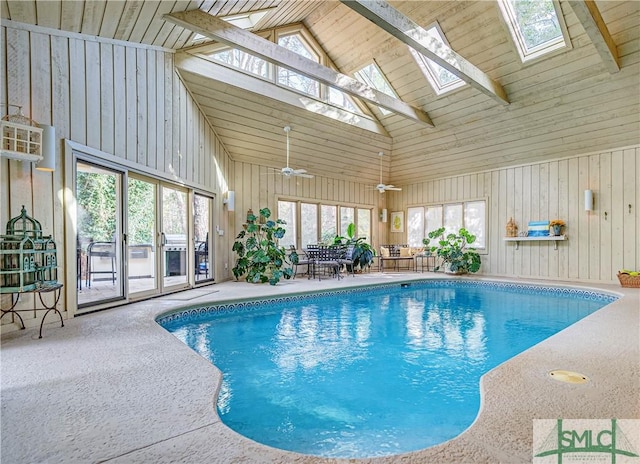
433,218
474,221
415,226
242,60
329,223
338,98
452,216
373,77
346,218
536,26
287,212
364,224
247,20
296,43
309,224
439,78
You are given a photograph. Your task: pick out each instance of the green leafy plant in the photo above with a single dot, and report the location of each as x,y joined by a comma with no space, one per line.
454,251
260,258
363,252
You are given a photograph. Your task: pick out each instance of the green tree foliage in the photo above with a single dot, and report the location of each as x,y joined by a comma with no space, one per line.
141,220
537,20
96,195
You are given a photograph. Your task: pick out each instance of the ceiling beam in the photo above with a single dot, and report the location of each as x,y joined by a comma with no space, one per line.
187,63
595,27
395,23
217,29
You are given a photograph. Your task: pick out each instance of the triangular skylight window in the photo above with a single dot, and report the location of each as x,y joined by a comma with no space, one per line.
242,60
299,43
440,79
247,20
373,77
536,26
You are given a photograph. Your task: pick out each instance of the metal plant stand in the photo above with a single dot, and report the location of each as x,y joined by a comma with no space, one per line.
56,289
28,264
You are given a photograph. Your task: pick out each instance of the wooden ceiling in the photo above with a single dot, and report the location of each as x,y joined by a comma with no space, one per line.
561,105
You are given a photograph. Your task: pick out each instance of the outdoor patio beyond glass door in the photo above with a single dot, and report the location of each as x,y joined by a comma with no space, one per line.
202,212
174,239
99,240
141,237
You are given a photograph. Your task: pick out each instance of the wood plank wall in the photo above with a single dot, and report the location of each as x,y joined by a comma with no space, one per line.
600,242
259,186
122,99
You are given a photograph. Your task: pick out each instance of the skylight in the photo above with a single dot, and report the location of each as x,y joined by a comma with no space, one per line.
440,79
246,20
373,77
242,60
295,43
537,26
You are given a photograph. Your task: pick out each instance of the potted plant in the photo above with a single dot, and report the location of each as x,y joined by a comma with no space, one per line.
454,251
556,226
363,252
260,258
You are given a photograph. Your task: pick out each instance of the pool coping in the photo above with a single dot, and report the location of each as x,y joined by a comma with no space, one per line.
170,391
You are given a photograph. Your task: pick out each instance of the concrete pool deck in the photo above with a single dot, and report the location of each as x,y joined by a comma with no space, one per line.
114,386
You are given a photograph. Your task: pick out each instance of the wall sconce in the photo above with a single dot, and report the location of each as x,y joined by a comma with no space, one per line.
588,200
48,161
230,200
383,215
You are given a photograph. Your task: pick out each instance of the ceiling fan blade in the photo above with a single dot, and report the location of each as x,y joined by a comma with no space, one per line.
299,171
397,189
308,176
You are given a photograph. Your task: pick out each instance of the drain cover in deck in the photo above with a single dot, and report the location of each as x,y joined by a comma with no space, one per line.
568,376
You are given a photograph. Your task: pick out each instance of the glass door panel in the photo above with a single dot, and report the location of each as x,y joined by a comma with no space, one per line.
174,237
141,236
203,249
99,240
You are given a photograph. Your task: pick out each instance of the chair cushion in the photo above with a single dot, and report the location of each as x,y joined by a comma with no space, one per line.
405,252
384,252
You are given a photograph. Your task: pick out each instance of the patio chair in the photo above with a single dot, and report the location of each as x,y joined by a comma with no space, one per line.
346,259
302,260
101,250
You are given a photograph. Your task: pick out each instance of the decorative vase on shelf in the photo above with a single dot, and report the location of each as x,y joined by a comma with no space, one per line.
556,229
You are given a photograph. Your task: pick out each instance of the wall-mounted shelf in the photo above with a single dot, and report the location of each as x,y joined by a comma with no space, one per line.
547,238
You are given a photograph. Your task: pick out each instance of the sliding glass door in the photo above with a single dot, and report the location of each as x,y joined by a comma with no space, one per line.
203,249
142,204
138,236
99,263
174,237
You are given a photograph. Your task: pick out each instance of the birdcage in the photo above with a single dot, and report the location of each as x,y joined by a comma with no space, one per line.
21,137
27,258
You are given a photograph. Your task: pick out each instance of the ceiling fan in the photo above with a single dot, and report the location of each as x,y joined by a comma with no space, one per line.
288,171
384,187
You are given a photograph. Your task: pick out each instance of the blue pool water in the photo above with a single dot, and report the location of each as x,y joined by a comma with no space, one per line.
369,372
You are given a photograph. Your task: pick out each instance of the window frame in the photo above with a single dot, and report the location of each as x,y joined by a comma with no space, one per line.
360,76
337,207
425,65
358,108
545,50
484,250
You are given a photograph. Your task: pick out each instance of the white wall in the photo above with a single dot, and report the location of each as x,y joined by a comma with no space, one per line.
600,242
